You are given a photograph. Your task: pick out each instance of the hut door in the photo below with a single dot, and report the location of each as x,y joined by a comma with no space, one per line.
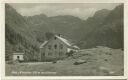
43,56
18,57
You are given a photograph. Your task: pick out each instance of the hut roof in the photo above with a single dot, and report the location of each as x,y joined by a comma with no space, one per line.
67,42
18,53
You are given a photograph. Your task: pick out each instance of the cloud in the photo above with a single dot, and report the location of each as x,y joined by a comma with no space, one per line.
78,9
81,13
31,11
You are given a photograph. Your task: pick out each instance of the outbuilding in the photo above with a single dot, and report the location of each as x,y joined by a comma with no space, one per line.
18,56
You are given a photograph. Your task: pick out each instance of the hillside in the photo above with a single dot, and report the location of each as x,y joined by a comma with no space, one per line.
70,26
18,36
66,24
110,31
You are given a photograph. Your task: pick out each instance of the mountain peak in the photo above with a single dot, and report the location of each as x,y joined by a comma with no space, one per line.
102,13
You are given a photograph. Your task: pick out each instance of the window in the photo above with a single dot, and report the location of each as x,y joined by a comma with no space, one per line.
43,54
18,57
49,53
61,46
55,46
60,53
49,46
55,38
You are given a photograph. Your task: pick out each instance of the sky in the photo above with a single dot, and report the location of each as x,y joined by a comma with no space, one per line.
81,10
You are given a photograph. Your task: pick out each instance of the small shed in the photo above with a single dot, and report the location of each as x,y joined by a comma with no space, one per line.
18,56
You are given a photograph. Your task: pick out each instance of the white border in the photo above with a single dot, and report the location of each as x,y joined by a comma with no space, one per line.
64,1
126,39
2,32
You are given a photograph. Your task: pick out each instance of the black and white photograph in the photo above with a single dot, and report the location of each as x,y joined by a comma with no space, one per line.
64,39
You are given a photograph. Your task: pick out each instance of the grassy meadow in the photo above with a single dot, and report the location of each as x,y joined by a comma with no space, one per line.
100,61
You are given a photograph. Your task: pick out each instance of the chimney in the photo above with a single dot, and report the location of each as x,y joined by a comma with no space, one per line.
59,35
